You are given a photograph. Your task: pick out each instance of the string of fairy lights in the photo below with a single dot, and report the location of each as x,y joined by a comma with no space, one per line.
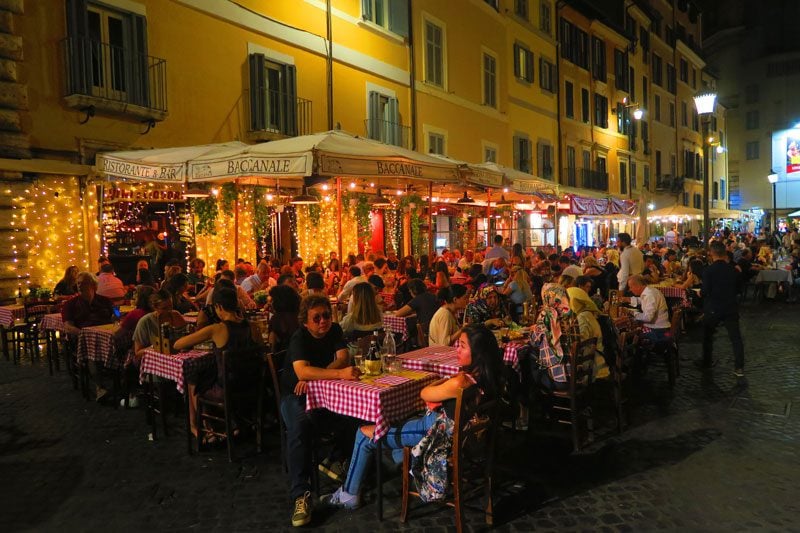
322,236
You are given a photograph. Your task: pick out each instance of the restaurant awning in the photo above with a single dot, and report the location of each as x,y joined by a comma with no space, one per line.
675,212
328,154
522,182
733,214
162,165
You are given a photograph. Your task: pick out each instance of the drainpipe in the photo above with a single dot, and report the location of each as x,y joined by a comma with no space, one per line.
329,63
412,77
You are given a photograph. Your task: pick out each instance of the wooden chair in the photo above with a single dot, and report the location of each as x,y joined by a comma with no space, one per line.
572,404
422,335
240,390
274,365
672,356
623,372
475,429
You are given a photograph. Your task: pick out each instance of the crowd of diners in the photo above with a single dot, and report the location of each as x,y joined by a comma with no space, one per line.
456,297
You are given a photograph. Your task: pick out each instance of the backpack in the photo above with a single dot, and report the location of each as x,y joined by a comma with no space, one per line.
429,460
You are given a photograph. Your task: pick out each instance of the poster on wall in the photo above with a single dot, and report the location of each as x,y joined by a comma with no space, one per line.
792,154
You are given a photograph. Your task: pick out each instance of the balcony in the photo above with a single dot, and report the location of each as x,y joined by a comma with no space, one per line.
275,114
387,132
595,180
569,177
114,79
669,183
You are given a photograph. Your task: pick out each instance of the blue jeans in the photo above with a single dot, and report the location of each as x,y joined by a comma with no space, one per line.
409,434
656,335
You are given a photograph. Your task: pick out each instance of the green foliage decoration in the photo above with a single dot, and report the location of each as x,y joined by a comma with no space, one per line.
362,216
228,195
206,211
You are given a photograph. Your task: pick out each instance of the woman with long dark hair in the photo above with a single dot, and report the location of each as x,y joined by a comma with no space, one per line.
481,364
444,329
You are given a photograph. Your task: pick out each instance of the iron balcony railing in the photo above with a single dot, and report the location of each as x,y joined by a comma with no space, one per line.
279,112
114,73
594,180
569,177
387,132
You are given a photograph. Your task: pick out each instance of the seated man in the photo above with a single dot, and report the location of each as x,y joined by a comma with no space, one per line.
316,351
654,314
109,285
85,309
260,281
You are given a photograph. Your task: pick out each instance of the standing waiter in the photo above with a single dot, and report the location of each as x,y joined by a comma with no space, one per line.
721,306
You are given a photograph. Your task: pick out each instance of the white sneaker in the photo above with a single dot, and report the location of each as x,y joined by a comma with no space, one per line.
133,402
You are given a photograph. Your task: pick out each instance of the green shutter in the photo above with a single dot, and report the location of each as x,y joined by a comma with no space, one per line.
366,9
398,17
258,92
290,99
78,51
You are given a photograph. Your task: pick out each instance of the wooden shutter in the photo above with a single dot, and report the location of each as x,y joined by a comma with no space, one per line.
366,9
517,153
517,69
290,99
529,65
540,159
258,92
138,82
375,118
393,127
398,17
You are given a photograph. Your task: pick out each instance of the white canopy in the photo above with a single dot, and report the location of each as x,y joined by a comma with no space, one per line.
676,212
794,214
163,165
726,213
522,182
328,154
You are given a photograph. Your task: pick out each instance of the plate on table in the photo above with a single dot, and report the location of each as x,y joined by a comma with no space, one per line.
204,346
191,313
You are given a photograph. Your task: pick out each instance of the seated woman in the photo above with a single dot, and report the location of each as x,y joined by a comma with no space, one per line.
123,337
232,332
481,363
652,269
284,321
423,303
586,312
597,273
177,285
149,326
442,275
444,329
553,332
68,285
694,280
518,290
365,316
487,309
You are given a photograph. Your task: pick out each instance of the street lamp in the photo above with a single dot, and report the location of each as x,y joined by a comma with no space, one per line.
773,179
704,103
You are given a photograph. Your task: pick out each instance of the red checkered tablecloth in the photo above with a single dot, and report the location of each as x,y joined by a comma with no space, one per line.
52,322
675,293
382,403
512,352
397,324
388,299
440,360
175,367
96,343
10,313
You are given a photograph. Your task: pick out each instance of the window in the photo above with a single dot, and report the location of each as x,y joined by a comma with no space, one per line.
489,154
389,14
620,70
544,17
569,104
587,167
751,120
489,80
634,185
698,201
623,177
523,63
521,9
434,54
684,66
672,114
645,93
546,75
658,70
655,25
669,36
688,164
722,188
673,165
751,94
752,150
544,160
685,198
632,85
494,3
383,123
695,119
601,111
715,191
273,96
658,164
107,56
644,41
574,44
671,82
436,143
598,59
657,107
571,174
684,115
522,153
694,78
585,105
646,178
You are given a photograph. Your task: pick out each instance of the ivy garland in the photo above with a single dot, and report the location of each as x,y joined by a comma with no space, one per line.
261,213
228,195
416,220
314,210
206,211
362,216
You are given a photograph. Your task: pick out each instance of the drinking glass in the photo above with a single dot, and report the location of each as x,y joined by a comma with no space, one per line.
388,363
358,362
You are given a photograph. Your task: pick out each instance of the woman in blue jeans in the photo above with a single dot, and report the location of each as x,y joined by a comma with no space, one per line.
481,363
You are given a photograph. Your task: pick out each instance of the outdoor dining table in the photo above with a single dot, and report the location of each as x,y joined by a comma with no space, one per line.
776,276
674,293
440,360
179,368
383,400
10,314
52,326
96,343
397,324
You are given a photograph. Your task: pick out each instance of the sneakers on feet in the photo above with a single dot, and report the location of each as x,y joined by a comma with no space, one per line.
333,469
133,402
739,372
340,499
302,510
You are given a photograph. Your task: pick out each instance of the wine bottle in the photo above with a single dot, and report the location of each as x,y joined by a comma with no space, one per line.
373,360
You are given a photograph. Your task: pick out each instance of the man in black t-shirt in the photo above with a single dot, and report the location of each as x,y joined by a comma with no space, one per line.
316,351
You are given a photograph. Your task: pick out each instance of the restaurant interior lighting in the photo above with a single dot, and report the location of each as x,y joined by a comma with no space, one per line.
304,199
465,200
380,201
196,192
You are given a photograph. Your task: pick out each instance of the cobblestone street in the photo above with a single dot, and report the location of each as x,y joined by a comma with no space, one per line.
714,455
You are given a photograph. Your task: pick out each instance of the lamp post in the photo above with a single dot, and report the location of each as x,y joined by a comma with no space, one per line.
773,179
704,103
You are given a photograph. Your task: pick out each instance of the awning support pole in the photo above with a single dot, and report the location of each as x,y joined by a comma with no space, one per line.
430,222
339,215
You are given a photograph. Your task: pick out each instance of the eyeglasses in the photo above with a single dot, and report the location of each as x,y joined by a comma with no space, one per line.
320,317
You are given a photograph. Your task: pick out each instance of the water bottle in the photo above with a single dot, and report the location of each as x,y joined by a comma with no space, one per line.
389,347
